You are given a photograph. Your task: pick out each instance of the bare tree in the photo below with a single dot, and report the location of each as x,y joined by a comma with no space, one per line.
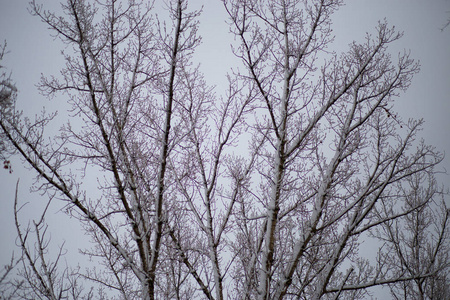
124,70
9,286
417,242
187,210
41,275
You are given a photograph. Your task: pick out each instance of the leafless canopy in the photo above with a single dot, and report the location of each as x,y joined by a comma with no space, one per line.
264,192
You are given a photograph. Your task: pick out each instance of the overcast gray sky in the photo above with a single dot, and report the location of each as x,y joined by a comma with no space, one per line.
33,51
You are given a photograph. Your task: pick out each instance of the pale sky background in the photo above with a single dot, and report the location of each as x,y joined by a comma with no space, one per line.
33,51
